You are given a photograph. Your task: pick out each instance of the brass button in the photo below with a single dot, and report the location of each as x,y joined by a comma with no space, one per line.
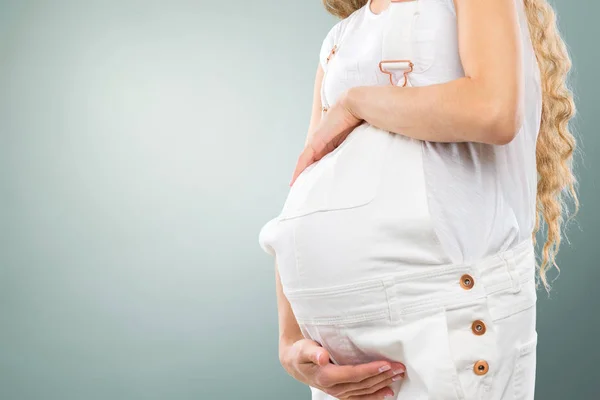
481,367
478,327
466,281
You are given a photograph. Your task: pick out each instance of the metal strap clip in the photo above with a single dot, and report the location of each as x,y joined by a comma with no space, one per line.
397,39
394,65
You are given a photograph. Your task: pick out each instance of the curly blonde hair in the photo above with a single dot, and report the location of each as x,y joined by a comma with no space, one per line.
555,144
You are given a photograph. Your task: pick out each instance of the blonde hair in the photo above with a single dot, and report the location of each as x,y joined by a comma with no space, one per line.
555,143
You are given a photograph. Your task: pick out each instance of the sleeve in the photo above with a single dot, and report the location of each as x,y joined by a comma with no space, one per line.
328,43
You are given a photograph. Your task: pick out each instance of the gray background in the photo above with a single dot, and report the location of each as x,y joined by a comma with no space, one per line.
142,146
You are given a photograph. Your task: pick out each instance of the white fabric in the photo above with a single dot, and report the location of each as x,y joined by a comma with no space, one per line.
386,225
481,197
397,36
359,212
425,320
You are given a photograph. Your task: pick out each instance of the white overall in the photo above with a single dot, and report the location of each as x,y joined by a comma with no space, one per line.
367,277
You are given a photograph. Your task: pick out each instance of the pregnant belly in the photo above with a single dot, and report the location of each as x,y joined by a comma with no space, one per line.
358,213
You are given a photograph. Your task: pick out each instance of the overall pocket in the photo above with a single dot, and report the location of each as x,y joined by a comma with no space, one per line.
420,343
525,367
347,177
424,49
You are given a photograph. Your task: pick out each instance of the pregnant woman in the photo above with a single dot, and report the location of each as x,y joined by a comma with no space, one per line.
404,253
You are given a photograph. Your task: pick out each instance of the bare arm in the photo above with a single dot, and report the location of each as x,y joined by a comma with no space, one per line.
315,116
484,106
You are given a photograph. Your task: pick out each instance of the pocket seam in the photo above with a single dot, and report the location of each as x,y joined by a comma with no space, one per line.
425,37
429,33
527,347
516,309
523,350
459,390
367,196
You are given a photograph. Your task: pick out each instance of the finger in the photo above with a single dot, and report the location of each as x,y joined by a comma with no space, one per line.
369,385
321,146
324,146
330,375
305,159
382,394
320,357
324,151
314,353
376,387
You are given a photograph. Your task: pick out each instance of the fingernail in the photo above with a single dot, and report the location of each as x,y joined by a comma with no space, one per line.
388,396
384,368
397,377
398,371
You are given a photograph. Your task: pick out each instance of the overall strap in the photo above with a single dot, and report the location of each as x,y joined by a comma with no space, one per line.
332,52
397,52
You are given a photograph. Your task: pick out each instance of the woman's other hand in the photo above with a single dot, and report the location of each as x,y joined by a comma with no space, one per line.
335,125
308,362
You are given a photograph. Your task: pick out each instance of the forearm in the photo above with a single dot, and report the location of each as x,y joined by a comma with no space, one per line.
289,331
457,111
315,116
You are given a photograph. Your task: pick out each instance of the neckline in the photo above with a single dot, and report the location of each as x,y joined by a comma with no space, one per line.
372,14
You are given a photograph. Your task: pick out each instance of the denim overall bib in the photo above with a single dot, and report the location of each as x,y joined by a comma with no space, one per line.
367,278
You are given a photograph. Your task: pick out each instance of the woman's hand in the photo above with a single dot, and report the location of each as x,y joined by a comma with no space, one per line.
335,125
306,361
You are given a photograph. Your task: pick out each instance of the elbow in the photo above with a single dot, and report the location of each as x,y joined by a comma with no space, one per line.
502,122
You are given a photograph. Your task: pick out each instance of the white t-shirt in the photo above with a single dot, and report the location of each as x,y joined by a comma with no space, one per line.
481,197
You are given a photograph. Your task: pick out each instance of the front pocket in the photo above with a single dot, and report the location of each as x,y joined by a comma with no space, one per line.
347,177
424,49
420,342
524,378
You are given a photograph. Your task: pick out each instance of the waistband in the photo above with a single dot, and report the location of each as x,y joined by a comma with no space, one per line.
395,295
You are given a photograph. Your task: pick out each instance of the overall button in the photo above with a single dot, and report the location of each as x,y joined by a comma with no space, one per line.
466,281
478,327
481,367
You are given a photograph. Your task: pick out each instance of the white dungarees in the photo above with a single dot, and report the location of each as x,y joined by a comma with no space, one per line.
418,252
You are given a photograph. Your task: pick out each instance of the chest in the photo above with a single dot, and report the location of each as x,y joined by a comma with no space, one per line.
434,43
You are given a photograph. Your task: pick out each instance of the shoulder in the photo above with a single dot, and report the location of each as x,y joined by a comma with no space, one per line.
334,34
331,38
